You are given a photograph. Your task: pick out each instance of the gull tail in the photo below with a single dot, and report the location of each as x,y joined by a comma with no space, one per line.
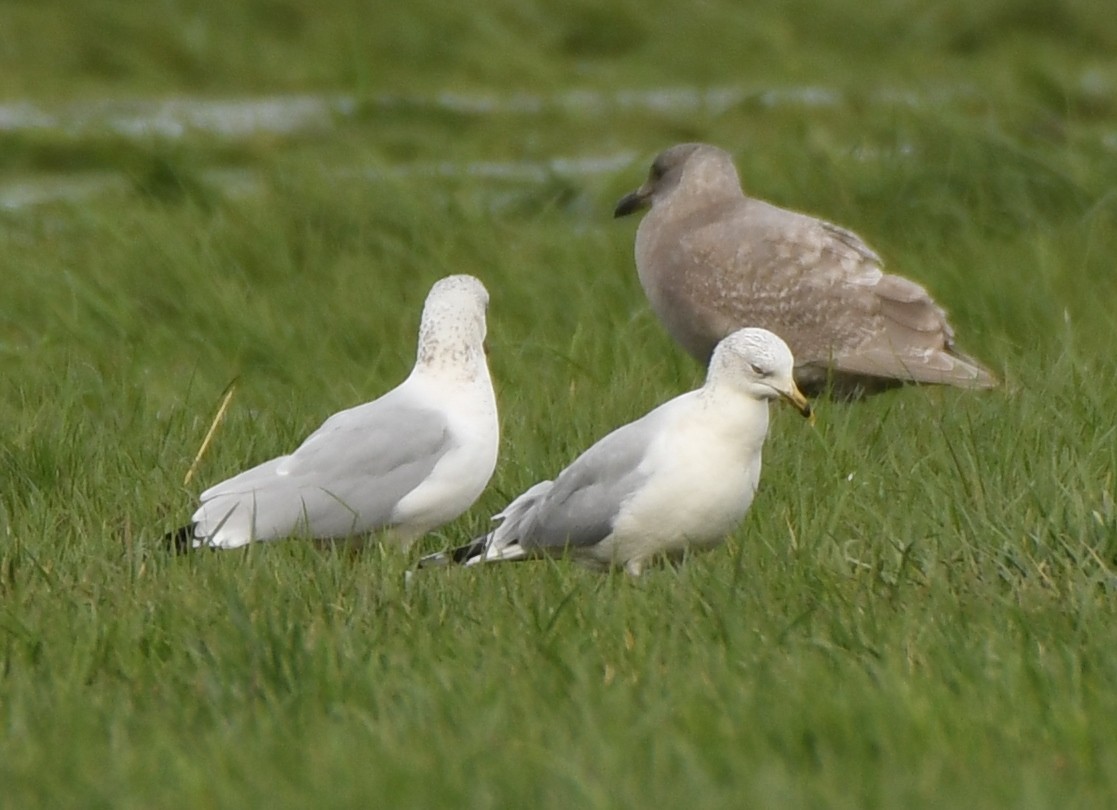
478,550
512,552
971,373
502,544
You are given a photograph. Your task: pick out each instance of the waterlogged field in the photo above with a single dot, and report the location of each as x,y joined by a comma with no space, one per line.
919,611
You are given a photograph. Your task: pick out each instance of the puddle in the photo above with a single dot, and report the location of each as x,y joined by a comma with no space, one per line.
522,172
178,117
239,118
31,192
285,115
71,188
231,119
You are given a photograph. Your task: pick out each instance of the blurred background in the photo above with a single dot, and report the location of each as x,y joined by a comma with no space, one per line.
933,129
917,611
899,85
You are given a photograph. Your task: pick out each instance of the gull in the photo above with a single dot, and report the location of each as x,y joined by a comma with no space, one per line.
680,478
712,260
408,462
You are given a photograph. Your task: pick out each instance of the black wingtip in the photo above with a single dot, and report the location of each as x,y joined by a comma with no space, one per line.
181,540
454,556
463,554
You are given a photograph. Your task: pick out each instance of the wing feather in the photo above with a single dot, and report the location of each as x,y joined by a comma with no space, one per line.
346,478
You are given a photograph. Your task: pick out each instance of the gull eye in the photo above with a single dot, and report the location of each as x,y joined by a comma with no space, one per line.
758,370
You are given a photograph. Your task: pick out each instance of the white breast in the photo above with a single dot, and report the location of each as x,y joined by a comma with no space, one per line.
703,473
463,472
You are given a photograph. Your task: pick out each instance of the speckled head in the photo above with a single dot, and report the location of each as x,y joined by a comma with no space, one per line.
687,170
758,362
452,331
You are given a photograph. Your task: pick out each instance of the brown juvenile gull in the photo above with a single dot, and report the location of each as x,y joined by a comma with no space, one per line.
712,260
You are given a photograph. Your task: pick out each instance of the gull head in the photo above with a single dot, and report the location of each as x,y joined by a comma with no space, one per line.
694,172
760,364
452,330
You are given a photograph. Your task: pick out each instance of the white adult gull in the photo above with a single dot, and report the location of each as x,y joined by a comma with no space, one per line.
712,260
408,462
680,478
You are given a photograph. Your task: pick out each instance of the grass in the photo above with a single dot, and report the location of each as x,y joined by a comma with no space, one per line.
919,610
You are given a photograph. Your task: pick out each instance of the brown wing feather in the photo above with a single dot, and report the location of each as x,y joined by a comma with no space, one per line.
745,262
850,240
753,264
908,306
910,337
913,341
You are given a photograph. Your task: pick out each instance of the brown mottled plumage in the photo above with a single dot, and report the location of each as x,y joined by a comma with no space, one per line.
713,260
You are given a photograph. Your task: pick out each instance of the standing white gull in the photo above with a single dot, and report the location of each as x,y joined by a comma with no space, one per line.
712,259
408,462
681,477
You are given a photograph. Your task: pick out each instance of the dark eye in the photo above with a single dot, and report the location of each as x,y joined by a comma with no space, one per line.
657,170
758,370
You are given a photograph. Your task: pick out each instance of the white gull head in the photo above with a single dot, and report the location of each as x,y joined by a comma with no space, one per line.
758,363
452,330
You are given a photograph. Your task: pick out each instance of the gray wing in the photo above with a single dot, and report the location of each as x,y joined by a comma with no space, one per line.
514,520
580,508
346,478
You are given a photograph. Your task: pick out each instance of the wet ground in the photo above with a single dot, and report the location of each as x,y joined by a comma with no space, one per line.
224,123
239,119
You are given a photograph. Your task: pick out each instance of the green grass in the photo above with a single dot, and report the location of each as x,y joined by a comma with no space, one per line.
919,610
